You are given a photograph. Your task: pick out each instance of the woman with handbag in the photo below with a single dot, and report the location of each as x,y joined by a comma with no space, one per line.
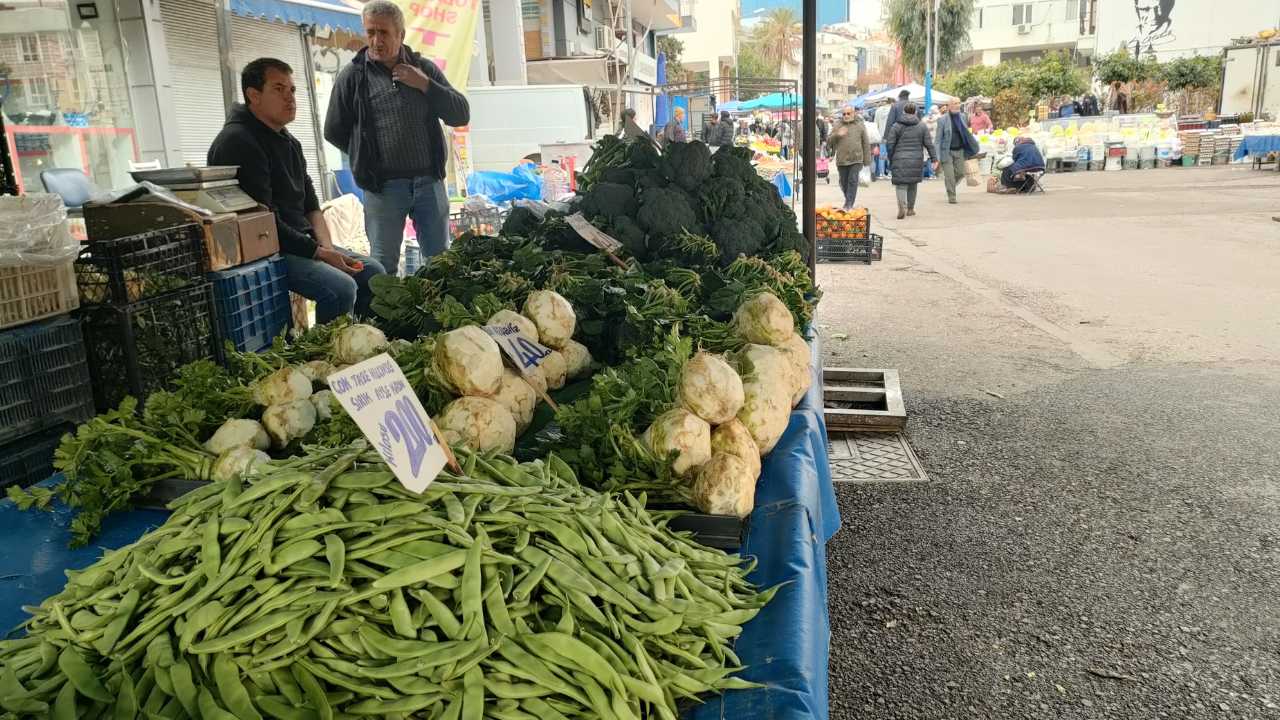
909,140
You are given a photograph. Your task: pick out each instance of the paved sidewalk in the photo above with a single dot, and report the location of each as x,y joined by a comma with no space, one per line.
1093,377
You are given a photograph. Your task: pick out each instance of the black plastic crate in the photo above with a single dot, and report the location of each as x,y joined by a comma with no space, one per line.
128,269
29,460
134,349
44,377
863,251
252,302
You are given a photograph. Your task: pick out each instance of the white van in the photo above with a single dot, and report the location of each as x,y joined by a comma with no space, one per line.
512,122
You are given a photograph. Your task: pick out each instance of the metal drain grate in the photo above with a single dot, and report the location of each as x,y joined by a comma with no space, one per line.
873,457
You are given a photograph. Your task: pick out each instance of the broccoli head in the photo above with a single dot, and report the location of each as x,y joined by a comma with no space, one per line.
665,212
735,163
651,179
687,164
622,176
521,222
722,197
632,236
609,200
643,154
736,237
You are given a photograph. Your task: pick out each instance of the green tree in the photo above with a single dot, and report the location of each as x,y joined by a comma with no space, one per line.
1122,67
673,49
908,25
753,64
1053,75
777,36
1192,72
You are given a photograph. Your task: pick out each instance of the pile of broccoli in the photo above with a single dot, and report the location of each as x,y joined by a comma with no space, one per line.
647,199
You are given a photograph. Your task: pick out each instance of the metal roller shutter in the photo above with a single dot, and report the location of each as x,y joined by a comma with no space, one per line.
252,39
191,39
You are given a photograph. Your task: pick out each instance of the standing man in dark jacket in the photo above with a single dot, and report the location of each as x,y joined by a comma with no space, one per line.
895,112
273,171
719,130
908,142
385,114
956,144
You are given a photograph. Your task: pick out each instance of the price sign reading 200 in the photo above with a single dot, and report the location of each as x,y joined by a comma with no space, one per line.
404,425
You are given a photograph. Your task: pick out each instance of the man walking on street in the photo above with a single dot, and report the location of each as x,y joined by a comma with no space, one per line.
955,145
674,130
851,145
882,125
385,114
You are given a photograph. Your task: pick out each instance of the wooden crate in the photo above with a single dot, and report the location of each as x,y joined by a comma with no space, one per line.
862,399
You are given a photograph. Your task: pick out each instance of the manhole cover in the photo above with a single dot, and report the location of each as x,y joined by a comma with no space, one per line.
872,457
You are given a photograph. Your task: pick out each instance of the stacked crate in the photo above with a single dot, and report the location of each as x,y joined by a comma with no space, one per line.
147,310
44,377
252,303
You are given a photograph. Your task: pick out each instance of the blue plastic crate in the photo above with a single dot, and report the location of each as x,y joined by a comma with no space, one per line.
44,377
252,303
29,460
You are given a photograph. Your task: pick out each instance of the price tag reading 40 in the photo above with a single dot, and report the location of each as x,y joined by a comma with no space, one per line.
378,396
524,353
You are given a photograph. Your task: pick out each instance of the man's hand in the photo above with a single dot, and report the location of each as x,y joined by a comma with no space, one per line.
348,265
412,76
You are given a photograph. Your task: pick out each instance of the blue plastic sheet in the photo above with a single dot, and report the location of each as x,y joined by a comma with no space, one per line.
785,647
36,555
522,183
1257,145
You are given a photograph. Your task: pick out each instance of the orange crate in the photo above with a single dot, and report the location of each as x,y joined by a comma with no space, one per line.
33,292
855,229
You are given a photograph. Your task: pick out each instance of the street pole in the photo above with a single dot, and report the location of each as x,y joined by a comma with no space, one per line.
809,129
928,56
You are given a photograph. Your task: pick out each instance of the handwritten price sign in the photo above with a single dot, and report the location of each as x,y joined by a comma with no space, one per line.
378,397
524,353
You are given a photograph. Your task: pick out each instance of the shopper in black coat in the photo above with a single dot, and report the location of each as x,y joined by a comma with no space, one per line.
909,140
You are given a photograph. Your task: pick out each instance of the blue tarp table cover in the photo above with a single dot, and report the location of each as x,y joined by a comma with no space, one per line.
1257,145
785,647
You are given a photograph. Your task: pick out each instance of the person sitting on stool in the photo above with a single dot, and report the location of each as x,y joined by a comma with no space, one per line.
1026,157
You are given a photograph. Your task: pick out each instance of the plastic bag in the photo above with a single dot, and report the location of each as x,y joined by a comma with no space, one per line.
864,176
971,172
781,182
522,182
34,231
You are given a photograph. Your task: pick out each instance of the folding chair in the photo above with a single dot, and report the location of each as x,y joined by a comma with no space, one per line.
1031,181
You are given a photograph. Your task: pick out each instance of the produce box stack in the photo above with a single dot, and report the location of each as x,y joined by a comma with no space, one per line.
252,303
147,310
44,376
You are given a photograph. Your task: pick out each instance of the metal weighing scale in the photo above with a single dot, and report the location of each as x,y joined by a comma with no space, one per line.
212,188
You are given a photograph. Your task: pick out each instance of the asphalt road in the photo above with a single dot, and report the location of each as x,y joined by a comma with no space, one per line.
1093,382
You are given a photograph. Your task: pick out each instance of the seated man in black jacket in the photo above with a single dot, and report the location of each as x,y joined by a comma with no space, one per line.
273,171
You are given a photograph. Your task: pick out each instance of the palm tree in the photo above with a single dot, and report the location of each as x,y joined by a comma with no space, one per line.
778,36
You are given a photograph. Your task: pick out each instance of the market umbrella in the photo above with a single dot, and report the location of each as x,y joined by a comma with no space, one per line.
917,94
772,101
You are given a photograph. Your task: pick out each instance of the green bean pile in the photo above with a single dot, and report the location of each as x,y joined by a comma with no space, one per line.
506,592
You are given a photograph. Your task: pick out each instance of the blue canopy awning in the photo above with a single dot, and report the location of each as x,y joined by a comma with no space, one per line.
331,14
772,101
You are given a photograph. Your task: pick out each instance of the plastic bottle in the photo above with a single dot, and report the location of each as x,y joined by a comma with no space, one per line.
555,182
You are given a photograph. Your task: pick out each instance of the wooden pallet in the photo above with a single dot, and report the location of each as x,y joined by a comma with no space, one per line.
875,397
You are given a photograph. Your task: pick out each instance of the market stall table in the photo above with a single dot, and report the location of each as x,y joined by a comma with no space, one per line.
785,647
1258,146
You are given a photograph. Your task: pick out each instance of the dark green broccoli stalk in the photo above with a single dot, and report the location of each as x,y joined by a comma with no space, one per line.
609,200
687,164
666,212
736,237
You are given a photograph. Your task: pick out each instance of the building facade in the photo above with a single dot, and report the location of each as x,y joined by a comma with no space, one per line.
1165,29
710,38
1002,30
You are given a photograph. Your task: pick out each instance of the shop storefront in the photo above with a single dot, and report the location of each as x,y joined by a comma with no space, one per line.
64,90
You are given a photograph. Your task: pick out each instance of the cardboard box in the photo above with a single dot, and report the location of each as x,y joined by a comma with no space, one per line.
257,234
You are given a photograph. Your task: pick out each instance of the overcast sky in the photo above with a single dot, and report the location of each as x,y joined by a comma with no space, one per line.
865,12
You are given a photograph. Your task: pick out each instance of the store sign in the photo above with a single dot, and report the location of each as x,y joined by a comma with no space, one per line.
444,32
525,354
376,394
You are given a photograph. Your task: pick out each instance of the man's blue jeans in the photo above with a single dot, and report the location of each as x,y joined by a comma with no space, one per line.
882,161
336,293
422,198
